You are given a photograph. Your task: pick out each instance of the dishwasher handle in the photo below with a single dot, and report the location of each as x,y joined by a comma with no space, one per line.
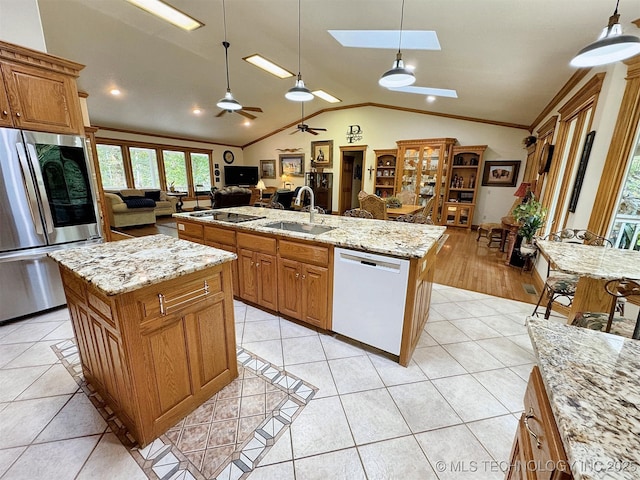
387,265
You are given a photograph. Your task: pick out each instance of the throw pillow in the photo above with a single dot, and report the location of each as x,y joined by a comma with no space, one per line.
153,195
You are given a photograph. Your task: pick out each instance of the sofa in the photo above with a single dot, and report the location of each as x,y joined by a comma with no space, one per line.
129,207
230,197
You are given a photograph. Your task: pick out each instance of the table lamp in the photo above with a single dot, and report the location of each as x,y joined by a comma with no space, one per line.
260,186
523,190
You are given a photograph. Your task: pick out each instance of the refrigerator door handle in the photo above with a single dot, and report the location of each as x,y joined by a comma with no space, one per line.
29,189
46,209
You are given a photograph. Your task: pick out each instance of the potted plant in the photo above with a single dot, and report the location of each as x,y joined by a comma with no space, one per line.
393,202
531,215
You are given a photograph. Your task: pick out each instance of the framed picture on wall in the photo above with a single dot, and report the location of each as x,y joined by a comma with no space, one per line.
268,169
292,165
322,154
500,173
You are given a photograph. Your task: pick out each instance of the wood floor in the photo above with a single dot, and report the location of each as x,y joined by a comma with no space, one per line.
463,262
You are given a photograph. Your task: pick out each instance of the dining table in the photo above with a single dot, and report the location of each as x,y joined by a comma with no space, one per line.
595,265
393,213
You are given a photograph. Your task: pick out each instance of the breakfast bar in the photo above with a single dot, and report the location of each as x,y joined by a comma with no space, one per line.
153,321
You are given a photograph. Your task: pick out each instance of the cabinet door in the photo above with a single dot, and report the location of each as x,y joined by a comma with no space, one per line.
289,296
6,119
248,275
234,264
267,280
42,99
315,286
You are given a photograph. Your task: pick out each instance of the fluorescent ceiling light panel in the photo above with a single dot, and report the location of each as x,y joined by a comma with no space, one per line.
438,92
411,39
327,97
268,66
168,13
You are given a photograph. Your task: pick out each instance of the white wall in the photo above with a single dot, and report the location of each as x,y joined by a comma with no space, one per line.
20,24
381,129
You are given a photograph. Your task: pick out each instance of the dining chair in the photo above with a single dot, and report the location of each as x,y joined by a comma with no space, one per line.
376,205
407,197
358,213
608,321
275,205
563,285
306,208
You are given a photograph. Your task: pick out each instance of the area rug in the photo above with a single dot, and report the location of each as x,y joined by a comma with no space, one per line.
227,436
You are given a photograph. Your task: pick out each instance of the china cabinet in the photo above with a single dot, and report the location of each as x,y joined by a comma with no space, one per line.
462,185
423,166
385,182
322,185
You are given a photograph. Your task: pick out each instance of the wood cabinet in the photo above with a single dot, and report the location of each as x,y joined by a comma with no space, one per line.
257,270
385,180
537,451
322,185
224,239
38,91
159,352
423,166
462,186
305,283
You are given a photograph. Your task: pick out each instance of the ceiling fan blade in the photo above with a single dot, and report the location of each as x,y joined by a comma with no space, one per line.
252,109
319,129
245,114
311,131
222,112
295,131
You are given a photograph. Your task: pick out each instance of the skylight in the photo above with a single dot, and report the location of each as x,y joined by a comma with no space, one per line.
438,92
411,39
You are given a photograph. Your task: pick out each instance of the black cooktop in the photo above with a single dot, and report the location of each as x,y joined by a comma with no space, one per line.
227,216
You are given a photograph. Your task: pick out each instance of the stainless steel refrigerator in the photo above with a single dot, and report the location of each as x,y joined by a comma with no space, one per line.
47,202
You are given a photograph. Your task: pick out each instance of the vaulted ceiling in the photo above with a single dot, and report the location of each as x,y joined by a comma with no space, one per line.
506,58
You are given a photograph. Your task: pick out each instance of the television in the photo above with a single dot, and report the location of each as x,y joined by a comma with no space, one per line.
240,175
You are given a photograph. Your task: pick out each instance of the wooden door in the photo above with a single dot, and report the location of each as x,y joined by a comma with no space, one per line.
315,287
42,99
247,275
6,119
346,177
267,279
289,296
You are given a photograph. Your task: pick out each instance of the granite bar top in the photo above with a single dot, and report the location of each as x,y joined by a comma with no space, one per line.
592,261
385,237
592,381
127,265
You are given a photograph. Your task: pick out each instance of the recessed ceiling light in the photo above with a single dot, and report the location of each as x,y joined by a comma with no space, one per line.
438,92
411,39
115,92
268,66
326,96
197,111
168,13
431,98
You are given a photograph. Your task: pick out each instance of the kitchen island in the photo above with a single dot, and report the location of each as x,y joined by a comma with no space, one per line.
154,324
286,263
589,379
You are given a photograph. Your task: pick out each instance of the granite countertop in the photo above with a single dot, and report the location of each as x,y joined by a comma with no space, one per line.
592,261
385,237
591,379
127,265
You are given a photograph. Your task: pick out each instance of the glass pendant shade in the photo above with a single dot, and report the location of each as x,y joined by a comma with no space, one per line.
228,102
398,76
612,46
299,93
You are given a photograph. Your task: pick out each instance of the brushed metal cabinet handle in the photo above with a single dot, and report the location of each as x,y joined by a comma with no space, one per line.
527,416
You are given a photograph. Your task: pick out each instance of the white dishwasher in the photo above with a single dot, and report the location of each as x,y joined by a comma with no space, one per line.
369,293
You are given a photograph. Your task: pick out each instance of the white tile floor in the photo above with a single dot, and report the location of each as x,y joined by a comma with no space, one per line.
451,414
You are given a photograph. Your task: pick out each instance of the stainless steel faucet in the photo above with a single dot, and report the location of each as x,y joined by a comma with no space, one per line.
312,210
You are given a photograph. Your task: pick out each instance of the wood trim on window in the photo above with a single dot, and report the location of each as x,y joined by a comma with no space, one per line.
586,96
619,154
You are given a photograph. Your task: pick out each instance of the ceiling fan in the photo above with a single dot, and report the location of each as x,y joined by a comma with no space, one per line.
242,111
303,127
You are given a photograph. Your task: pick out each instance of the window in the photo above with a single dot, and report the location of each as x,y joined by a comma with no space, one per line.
111,167
144,165
175,169
201,171
625,232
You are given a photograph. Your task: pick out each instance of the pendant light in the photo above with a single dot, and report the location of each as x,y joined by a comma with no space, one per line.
398,76
227,102
299,93
611,46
